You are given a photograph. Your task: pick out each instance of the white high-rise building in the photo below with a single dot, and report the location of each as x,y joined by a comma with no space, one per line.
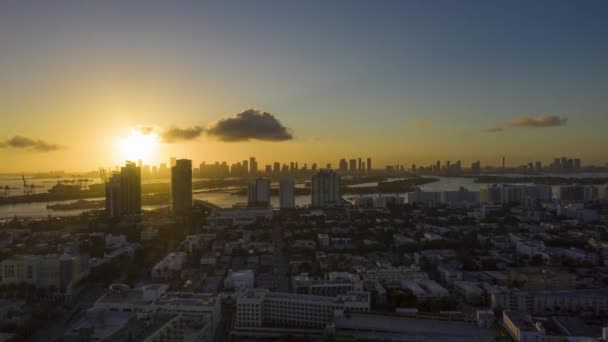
287,194
326,190
259,193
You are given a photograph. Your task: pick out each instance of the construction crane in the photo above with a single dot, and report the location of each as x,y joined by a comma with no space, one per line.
31,187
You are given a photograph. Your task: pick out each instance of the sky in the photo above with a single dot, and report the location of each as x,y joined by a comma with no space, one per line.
310,81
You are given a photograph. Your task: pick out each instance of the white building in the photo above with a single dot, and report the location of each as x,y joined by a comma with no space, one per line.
172,262
471,293
287,193
551,302
260,307
42,271
423,289
201,311
393,276
240,280
519,194
336,283
238,216
521,327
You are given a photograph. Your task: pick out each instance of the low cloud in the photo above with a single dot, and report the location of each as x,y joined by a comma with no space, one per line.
26,143
531,122
176,134
542,121
495,129
419,123
250,125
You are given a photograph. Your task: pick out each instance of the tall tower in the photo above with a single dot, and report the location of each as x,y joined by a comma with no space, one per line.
287,194
181,187
123,192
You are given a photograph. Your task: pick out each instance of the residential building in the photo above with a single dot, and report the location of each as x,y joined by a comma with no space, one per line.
326,190
287,194
181,187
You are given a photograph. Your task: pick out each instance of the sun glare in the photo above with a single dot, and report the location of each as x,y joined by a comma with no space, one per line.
138,146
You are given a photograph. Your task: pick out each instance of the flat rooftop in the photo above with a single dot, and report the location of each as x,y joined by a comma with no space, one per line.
414,329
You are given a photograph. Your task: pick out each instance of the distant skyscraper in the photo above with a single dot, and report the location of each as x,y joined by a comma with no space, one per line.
123,192
360,166
253,166
369,164
172,162
287,194
476,167
577,164
352,166
343,166
326,190
259,193
181,187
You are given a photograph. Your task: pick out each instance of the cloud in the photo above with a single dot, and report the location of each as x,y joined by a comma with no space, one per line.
175,134
22,142
530,122
250,125
542,121
496,129
419,123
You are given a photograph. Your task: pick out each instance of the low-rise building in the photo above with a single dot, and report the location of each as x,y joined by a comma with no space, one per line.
262,308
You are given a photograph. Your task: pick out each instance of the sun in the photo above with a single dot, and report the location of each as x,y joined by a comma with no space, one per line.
138,145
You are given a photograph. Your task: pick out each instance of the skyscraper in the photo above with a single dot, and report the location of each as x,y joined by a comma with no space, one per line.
181,187
287,194
369,164
123,192
352,166
253,166
259,193
326,190
343,167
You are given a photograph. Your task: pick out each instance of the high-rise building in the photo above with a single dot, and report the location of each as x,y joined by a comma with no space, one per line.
352,166
123,192
172,162
476,167
287,194
577,164
369,164
326,190
276,168
181,187
343,166
259,193
359,167
253,166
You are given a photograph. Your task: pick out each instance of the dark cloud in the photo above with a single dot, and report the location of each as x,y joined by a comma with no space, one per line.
250,125
531,122
175,134
542,121
22,142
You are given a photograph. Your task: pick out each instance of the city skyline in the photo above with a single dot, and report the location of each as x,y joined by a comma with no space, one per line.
93,84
